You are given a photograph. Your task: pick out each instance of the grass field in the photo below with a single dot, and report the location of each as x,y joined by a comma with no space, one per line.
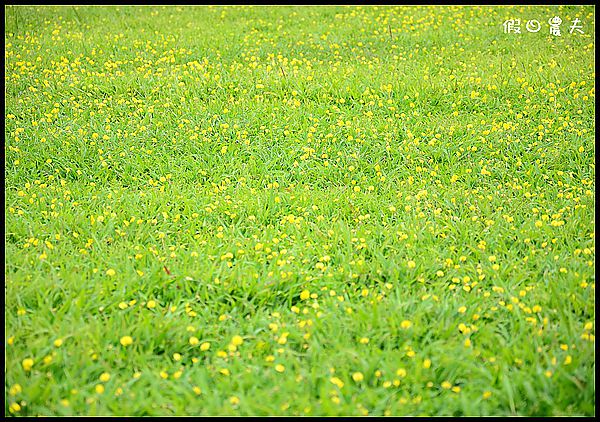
299,210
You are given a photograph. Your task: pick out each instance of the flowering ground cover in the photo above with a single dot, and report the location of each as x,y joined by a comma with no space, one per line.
299,210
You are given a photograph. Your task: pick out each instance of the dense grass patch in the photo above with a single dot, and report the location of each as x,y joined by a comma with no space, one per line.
298,210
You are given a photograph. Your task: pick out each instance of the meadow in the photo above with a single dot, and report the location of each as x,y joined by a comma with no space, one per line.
341,210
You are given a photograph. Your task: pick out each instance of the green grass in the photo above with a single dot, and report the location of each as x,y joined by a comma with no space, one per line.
423,178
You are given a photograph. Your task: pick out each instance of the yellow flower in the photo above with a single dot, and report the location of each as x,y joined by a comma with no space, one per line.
237,340
14,407
427,363
105,377
411,264
27,364
15,389
234,400
462,309
164,375
126,341
205,346
99,389
337,381
194,341
151,304
405,324
357,377
279,368
197,390
304,295
110,272
401,372
58,342
446,385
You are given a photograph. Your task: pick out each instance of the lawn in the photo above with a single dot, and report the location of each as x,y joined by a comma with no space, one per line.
299,211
